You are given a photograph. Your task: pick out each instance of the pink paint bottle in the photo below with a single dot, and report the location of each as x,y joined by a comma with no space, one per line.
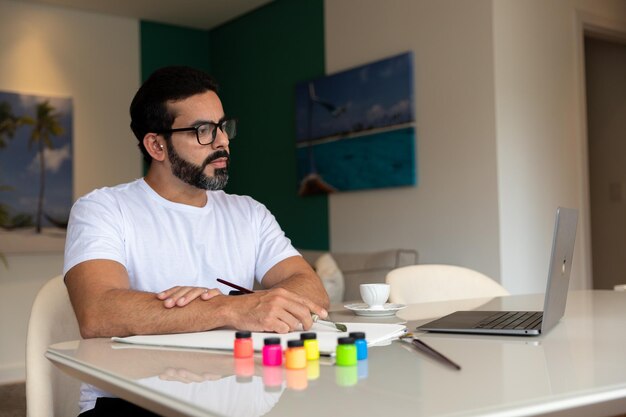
272,352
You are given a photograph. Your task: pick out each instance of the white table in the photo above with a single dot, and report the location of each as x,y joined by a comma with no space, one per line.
577,369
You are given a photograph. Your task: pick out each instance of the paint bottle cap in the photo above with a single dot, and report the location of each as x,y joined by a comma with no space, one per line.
357,335
271,341
308,336
345,340
295,343
243,334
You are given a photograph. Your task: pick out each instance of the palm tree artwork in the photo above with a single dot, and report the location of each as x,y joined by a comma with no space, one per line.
8,123
46,125
35,172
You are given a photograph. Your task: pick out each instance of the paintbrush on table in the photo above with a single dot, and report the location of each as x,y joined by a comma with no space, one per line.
428,350
316,319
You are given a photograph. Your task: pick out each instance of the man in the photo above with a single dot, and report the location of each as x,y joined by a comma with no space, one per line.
143,257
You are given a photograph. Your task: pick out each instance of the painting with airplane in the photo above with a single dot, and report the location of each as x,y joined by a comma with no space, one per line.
355,129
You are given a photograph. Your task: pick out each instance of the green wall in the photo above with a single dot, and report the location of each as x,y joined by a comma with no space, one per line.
257,59
163,45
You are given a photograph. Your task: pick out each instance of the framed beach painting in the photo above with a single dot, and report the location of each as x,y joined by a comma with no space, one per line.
355,129
35,172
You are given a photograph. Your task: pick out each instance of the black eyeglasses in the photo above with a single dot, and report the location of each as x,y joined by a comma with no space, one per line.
207,132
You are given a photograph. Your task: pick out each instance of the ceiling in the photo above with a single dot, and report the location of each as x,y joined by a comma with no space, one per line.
199,14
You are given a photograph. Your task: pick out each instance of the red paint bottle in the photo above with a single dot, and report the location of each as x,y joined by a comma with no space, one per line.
243,345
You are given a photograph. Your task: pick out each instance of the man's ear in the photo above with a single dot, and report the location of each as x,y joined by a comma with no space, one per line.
154,146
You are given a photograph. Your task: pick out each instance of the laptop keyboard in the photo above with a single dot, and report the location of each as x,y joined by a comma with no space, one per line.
518,320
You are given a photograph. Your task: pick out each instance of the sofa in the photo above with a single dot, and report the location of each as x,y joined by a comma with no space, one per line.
358,268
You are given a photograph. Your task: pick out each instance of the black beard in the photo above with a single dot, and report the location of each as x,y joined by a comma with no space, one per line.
194,174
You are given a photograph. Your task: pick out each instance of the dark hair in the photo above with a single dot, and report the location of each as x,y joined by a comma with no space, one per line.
149,111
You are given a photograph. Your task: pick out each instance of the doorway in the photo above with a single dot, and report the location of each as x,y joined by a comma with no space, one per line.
605,70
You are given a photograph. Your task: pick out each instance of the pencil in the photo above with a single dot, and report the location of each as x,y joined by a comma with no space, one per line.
235,286
434,354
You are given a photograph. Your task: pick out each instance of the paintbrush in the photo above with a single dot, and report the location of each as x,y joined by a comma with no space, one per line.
428,350
315,317
337,326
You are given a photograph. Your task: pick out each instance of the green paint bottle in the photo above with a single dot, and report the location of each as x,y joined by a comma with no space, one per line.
346,352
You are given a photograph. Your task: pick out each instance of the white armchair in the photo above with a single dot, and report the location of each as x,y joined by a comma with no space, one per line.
427,283
49,392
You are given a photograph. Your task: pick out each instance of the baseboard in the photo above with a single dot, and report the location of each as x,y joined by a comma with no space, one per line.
12,373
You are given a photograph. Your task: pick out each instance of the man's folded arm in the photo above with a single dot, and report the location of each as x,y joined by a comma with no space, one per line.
105,306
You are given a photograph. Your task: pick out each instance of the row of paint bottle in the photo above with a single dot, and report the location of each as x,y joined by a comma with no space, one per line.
349,349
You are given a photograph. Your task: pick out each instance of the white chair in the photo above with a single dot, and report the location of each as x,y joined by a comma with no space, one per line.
49,392
427,283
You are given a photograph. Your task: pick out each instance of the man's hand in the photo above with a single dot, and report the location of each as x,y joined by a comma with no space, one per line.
181,296
276,310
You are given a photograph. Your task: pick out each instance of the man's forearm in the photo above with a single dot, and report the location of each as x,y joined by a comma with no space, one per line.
307,285
122,312
296,275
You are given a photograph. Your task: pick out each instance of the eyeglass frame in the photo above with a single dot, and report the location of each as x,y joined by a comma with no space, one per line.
217,125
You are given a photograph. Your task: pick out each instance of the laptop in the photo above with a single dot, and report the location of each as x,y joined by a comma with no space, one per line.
524,323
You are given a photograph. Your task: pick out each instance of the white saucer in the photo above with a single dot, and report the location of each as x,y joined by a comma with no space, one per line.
362,309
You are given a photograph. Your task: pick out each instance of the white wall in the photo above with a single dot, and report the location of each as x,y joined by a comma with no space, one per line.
95,60
452,215
541,130
501,130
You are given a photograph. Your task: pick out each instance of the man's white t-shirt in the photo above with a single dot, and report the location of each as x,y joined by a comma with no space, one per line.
163,244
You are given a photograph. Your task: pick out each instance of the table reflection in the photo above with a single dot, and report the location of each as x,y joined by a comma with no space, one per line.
213,380
229,395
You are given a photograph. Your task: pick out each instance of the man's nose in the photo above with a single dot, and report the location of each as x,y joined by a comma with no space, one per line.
221,139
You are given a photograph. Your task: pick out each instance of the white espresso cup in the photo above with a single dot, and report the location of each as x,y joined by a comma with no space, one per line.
375,295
